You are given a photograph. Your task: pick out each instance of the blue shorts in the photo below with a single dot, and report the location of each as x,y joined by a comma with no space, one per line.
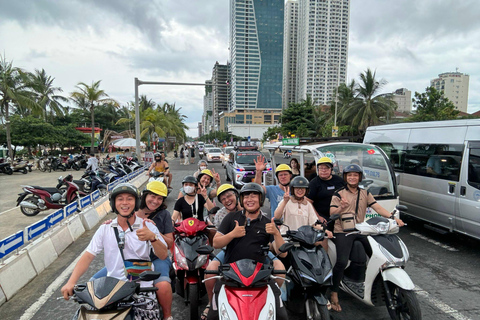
159,265
221,256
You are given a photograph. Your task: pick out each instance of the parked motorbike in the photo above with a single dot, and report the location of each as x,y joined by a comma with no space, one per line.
110,298
310,271
70,163
116,172
6,168
89,182
57,164
18,165
43,164
189,266
35,198
381,277
246,290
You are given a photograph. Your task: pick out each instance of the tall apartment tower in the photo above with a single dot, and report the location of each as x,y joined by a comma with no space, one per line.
322,49
455,87
220,93
207,117
403,98
290,53
256,54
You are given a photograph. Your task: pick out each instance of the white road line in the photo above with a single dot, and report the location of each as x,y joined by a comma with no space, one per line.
8,210
30,312
444,246
440,305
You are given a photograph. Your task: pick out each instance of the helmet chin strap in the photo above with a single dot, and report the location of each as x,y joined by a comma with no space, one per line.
127,217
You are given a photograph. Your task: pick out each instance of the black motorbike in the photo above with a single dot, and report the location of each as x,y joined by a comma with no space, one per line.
6,168
110,298
310,270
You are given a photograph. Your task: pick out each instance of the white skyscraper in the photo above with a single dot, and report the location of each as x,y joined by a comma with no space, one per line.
322,49
455,87
290,33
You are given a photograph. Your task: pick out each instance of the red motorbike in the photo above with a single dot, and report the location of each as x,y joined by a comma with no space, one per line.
35,198
190,266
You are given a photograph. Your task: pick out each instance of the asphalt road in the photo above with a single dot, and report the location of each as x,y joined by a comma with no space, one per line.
443,267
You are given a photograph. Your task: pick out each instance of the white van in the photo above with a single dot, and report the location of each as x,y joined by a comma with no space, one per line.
438,170
379,177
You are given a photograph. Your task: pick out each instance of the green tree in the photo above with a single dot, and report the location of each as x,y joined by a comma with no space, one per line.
89,97
46,94
367,106
433,105
294,116
13,91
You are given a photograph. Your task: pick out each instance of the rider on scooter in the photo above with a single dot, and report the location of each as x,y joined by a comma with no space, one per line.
351,199
142,237
161,165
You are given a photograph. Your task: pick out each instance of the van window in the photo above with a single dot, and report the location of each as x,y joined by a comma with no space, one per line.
474,168
396,153
440,161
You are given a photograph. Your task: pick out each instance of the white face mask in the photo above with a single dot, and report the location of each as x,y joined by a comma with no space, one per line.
189,189
203,168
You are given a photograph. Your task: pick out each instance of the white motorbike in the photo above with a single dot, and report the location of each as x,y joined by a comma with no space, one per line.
382,277
156,176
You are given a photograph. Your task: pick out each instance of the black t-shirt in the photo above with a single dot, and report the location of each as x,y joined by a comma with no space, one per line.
321,192
163,222
250,245
188,210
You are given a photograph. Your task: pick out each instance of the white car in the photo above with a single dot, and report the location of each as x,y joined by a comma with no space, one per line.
214,154
226,152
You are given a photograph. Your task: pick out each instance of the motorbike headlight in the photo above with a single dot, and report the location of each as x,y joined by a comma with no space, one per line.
382,227
329,274
201,260
307,277
180,259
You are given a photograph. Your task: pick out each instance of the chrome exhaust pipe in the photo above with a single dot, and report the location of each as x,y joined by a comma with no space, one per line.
28,205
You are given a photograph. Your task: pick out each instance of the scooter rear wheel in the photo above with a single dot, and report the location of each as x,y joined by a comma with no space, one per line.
27,211
406,304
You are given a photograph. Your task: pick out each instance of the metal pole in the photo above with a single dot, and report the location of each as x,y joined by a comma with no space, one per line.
137,121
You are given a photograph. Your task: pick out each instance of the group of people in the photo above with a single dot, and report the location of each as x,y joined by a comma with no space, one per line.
186,153
148,226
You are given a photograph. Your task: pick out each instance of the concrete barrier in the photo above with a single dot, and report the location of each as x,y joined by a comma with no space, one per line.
89,218
101,208
61,238
16,273
75,226
42,253
3,299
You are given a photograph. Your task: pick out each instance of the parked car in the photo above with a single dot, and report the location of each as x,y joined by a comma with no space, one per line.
226,153
240,167
214,154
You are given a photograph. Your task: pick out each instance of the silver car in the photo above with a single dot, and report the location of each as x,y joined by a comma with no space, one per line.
214,154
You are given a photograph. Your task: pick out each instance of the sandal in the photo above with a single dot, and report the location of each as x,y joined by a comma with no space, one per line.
205,313
336,306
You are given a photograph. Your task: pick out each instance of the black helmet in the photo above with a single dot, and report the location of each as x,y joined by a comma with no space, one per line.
352,168
124,188
298,182
252,187
190,179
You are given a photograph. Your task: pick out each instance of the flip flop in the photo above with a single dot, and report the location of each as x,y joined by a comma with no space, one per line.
205,313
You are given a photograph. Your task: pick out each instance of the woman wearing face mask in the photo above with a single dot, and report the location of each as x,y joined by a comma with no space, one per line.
202,165
192,203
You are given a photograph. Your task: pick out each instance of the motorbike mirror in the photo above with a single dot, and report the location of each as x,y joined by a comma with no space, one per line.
401,207
286,247
204,250
334,217
148,276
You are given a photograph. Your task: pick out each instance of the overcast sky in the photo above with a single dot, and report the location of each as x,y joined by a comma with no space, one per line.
407,42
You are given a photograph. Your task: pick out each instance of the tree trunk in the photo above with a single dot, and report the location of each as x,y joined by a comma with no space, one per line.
93,130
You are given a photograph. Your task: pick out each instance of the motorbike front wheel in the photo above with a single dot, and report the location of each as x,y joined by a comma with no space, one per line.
405,304
317,312
8,170
193,301
75,167
25,171
27,211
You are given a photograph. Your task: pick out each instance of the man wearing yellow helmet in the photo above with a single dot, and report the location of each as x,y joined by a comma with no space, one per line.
275,194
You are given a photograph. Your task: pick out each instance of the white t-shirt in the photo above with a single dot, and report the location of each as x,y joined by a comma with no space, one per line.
92,163
105,240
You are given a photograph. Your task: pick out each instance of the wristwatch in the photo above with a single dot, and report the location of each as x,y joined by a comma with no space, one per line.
156,238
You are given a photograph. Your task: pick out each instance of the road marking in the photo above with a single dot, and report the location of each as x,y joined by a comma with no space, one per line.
440,305
444,246
8,210
30,312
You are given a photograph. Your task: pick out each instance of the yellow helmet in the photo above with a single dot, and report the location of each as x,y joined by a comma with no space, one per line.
158,188
325,160
205,172
226,187
283,167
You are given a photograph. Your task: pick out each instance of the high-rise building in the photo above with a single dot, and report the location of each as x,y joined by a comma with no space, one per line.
220,92
322,49
256,54
207,117
403,98
290,53
454,86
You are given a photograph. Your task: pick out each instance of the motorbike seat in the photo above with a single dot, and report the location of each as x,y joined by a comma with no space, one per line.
49,190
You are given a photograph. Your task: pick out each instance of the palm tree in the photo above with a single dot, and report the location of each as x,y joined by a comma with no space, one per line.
13,92
45,93
89,97
368,106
